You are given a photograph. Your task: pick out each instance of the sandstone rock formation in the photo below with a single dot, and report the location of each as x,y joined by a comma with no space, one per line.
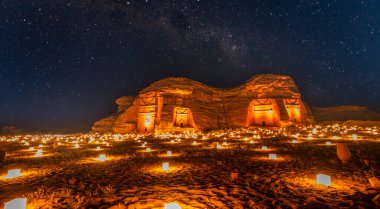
181,104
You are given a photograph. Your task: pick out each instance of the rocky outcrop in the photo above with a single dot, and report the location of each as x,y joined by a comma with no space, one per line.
180,104
105,124
345,113
124,102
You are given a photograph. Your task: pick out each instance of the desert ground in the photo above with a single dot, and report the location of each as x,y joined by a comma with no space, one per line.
219,169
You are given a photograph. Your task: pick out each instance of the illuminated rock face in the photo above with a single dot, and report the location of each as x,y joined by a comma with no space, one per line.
181,104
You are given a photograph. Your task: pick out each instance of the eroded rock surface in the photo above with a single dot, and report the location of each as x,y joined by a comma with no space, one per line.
181,104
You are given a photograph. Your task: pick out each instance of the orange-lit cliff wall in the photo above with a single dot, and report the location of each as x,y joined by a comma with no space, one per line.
126,121
181,116
274,99
293,108
147,113
263,112
170,110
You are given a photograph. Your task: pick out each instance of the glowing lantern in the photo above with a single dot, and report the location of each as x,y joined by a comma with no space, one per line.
194,143
245,138
165,166
39,153
172,206
172,141
143,145
328,143
335,137
218,146
264,148
251,142
147,149
169,153
40,146
26,143
18,203
102,157
294,141
355,137
76,145
310,137
224,143
272,156
97,148
31,148
13,174
323,179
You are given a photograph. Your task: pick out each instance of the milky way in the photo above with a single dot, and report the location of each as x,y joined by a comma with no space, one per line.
63,63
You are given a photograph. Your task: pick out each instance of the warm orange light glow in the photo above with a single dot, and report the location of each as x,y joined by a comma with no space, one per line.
263,112
181,119
147,120
102,157
294,113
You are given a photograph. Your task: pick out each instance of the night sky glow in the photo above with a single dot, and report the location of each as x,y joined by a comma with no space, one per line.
63,63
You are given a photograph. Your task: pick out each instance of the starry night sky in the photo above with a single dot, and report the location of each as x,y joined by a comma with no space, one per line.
63,63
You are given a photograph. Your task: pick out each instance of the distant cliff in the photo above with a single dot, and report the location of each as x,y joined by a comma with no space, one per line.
9,130
344,113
